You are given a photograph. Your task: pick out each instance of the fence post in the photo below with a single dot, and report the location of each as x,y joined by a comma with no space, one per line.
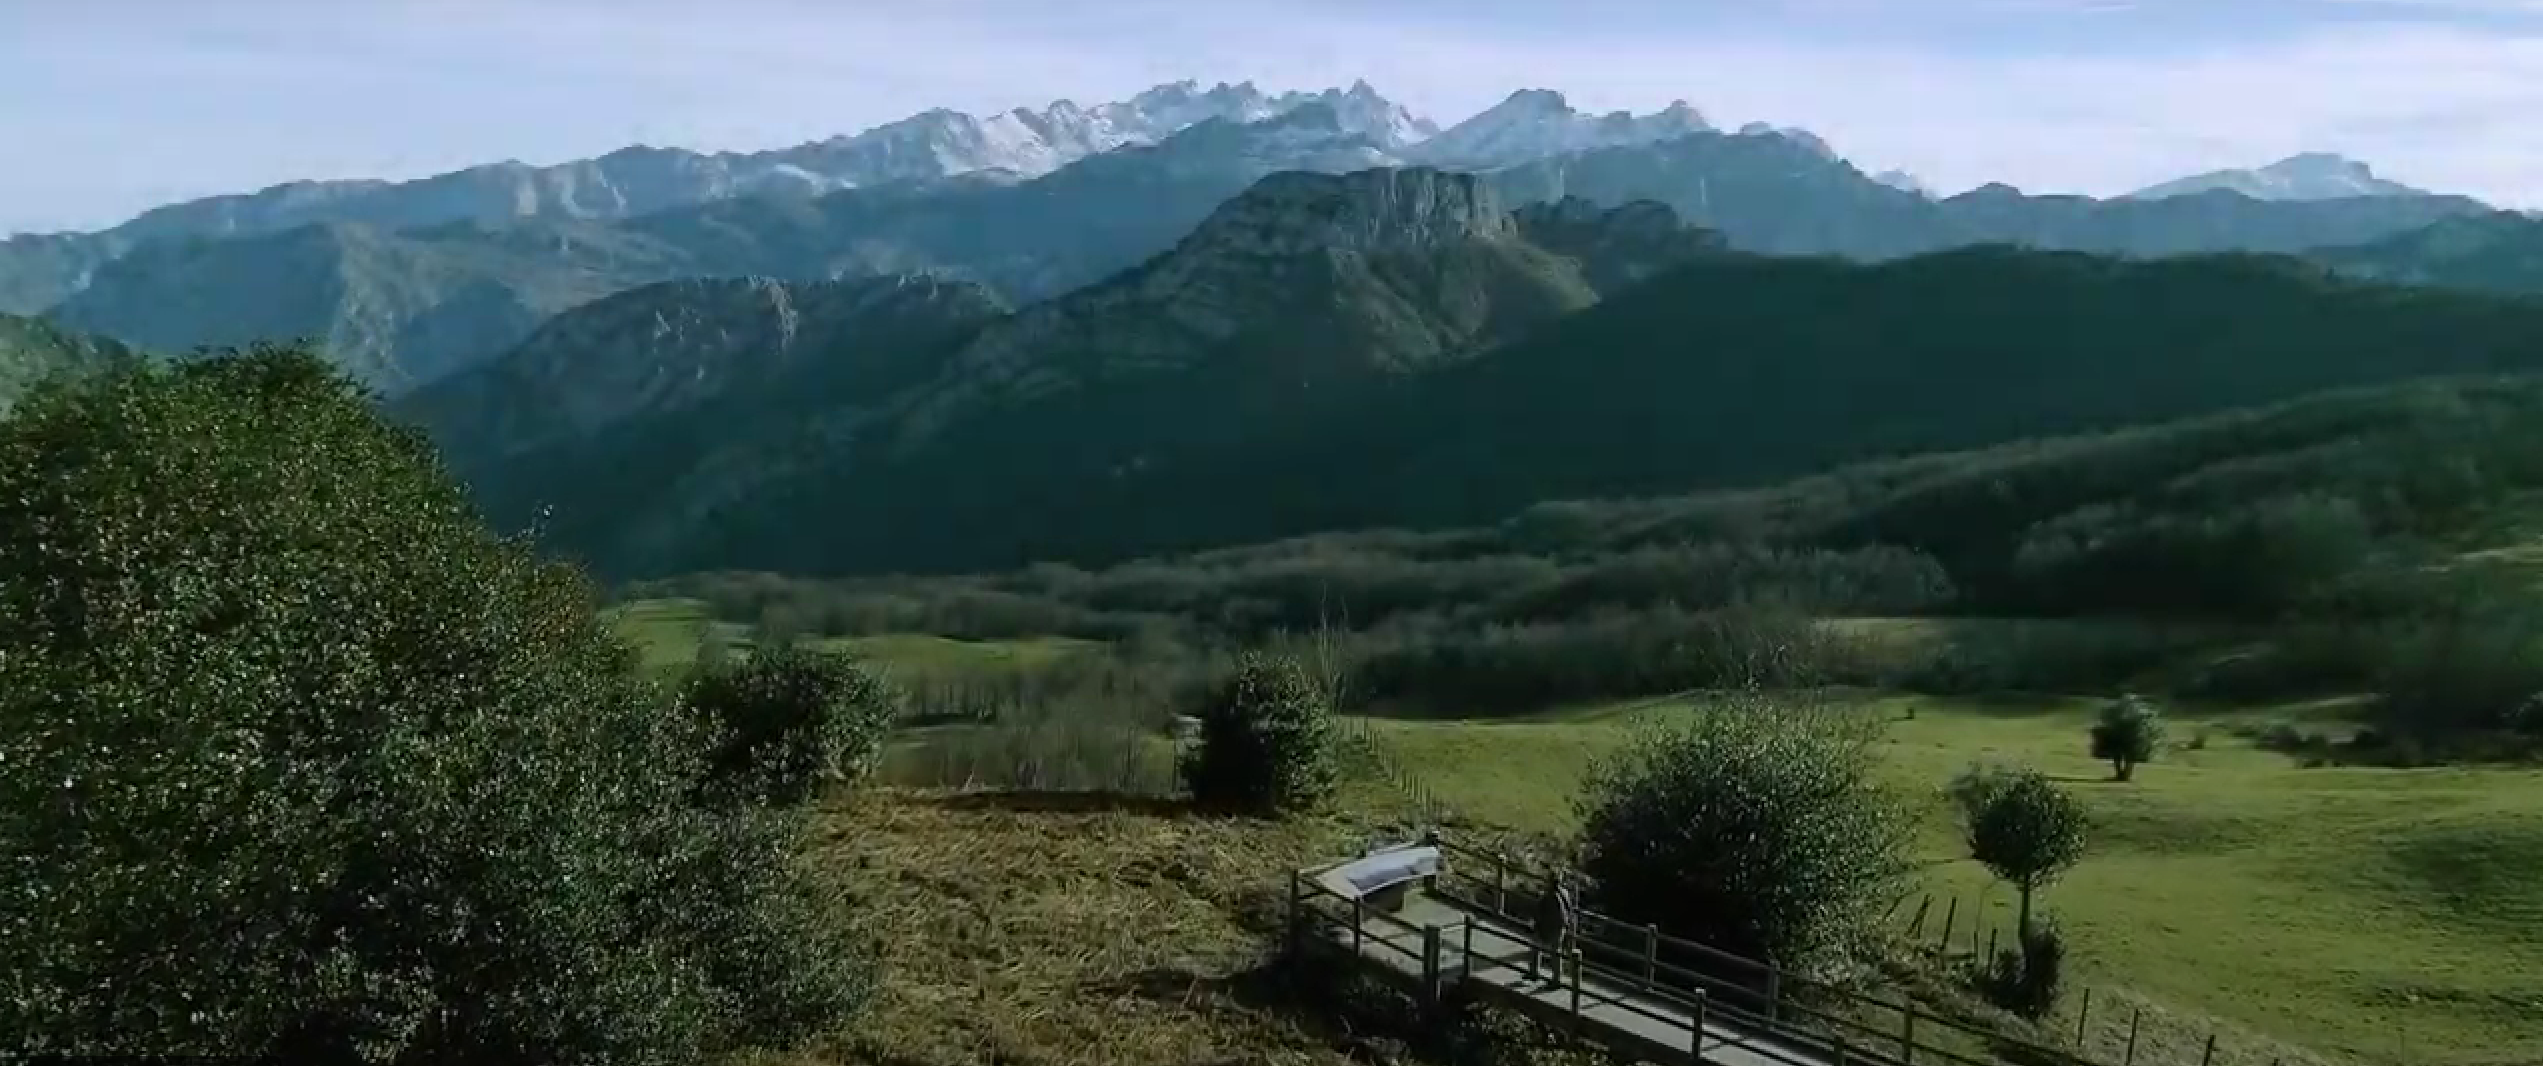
1500,884
1651,955
2082,1015
1774,993
1297,921
1991,945
1359,921
1917,928
1430,965
1907,1037
2208,1055
1467,967
2134,1017
1951,916
1695,1045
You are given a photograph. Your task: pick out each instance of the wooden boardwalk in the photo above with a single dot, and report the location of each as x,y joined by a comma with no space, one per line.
1449,929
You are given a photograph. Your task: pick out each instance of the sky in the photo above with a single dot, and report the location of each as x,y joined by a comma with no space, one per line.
109,107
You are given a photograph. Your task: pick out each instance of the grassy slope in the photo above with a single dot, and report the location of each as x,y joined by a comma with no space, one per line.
2346,910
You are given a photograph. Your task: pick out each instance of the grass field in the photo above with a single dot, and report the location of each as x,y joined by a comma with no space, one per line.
2371,915
2375,914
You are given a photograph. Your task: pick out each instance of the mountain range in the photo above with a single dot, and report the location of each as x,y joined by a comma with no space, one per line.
401,303
1386,347
1205,316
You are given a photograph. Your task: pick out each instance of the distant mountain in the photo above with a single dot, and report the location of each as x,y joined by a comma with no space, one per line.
38,271
395,309
2309,176
1904,182
2500,252
400,309
1782,192
1292,305
32,350
1534,123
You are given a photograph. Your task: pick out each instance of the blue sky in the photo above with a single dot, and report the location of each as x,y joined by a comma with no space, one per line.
112,106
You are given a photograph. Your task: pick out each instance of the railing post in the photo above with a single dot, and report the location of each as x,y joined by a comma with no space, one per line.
1774,993
1907,1038
1500,885
1576,989
1651,955
1359,921
1467,969
1695,1042
1430,965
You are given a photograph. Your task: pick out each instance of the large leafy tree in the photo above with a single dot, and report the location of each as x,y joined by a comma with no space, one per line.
1757,825
297,760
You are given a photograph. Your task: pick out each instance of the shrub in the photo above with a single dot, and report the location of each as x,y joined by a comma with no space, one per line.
299,762
1758,826
1266,743
2028,981
786,719
2127,735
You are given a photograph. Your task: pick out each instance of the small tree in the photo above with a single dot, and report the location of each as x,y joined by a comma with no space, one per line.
2022,827
300,763
787,719
2128,734
1758,826
1266,743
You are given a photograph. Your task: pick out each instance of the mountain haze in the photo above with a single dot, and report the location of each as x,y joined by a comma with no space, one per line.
2308,176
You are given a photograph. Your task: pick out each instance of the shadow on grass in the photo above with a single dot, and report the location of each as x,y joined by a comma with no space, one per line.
1067,802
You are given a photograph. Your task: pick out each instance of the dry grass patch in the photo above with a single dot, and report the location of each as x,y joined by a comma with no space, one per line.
1068,930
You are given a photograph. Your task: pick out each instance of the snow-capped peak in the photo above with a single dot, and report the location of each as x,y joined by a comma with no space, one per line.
2303,176
1533,123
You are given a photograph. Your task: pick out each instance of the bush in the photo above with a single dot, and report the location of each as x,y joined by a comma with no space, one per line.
2127,735
786,719
2028,981
298,762
1759,827
1266,743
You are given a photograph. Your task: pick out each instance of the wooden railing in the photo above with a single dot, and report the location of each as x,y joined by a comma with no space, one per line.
1779,1014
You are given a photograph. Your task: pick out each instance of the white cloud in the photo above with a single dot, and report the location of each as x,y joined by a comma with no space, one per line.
124,110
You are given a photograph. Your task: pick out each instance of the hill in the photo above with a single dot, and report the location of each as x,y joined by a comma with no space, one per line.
2497,252
1717,373
617,399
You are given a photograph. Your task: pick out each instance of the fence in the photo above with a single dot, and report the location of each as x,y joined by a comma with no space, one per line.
2101,1022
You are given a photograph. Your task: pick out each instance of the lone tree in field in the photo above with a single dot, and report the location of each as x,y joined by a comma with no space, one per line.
298,762
2021,826
787,719
2128,735
1266,742
1758,826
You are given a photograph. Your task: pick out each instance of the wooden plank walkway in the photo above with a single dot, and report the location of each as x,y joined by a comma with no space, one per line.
1438,919
1494,965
